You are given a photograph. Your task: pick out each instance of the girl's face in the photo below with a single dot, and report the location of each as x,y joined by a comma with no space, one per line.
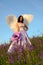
21,18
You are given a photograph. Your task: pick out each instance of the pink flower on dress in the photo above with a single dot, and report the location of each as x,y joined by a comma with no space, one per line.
16,36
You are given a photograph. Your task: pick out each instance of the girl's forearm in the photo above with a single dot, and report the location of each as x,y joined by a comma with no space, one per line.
26,27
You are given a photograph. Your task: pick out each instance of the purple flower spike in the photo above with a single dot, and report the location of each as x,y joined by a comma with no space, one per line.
11,59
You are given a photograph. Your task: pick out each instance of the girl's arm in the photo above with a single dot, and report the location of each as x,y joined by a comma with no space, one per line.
26,27
16,28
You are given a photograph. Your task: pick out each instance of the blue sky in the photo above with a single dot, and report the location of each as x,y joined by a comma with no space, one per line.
18,7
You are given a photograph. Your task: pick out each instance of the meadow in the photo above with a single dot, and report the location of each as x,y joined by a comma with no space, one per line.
33,56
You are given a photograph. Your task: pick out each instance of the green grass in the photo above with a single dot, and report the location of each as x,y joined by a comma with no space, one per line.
27,57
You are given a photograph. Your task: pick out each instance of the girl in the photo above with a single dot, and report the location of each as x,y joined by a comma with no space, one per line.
20,37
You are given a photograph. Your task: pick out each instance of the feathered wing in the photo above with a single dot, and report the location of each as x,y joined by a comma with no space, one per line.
28,18
11,20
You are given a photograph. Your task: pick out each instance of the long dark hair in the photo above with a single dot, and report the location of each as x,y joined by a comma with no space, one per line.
19,19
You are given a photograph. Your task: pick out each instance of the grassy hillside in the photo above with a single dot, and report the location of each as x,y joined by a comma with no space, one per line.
33,56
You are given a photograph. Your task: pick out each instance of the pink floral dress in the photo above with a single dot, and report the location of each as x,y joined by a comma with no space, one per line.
19,39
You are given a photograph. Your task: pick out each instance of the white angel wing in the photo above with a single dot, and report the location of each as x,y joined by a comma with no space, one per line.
11,20
28,18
